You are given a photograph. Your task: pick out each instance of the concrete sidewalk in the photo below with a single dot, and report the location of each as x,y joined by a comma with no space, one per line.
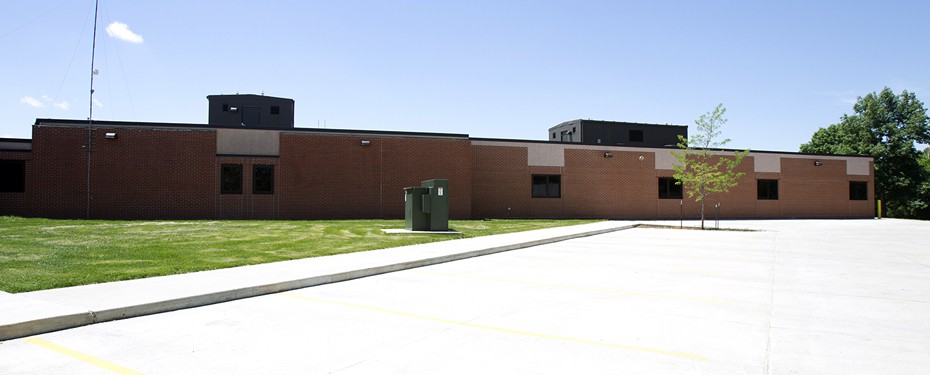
27,314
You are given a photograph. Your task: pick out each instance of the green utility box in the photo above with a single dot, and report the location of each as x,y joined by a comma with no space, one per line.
414,217
426,207
438,203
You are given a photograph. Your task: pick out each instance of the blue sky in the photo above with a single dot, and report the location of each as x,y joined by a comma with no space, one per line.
497,69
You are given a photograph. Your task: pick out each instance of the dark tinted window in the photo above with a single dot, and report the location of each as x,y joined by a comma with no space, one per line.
668,189
263,179
858,191
275,110
636,135
12,176
768,189
547,186
231,179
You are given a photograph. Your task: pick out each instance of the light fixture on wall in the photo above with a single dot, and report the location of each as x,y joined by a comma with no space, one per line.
817,163
608,155
110,135
365,143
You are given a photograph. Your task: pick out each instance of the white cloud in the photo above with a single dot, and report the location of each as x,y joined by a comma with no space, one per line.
121,31
845,98
45,102
32,102
98,103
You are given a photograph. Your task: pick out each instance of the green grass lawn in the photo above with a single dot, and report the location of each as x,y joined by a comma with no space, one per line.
38,254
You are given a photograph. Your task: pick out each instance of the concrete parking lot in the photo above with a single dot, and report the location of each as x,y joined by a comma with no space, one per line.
816,296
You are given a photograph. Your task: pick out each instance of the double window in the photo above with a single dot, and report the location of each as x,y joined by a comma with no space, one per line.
767,189
231,179
669,188
547,186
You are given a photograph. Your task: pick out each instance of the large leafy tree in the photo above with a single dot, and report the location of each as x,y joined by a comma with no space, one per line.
886,127
701,169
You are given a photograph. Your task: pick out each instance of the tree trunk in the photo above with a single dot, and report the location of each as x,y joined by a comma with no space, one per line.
702,213
703,195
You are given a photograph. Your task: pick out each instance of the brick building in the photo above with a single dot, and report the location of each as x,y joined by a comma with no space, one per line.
131,170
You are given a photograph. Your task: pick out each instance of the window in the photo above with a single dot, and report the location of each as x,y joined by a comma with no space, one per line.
263,179
12,176
275,110
636,135
668,189
225,107
566,136
547,186
858,191
768,189
231,179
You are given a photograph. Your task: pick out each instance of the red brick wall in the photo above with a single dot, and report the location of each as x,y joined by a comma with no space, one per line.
739,202
17,204
618,187
57,181
408,161
153,174
591,185
502,183
248,205
624,187
334,177
165,174
864,208
821,191
805,191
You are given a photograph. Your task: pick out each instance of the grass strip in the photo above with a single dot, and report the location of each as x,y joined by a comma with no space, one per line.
37,254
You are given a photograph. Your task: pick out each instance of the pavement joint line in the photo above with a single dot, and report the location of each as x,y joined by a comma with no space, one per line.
643,269
27,328
501,329
83,357
571,287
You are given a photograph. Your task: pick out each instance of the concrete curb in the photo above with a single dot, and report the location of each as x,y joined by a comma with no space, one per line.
68,321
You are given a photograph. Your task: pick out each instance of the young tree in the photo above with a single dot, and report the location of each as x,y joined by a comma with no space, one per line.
701,170
885,126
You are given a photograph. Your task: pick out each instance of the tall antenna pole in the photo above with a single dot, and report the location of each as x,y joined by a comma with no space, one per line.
90,116
93,71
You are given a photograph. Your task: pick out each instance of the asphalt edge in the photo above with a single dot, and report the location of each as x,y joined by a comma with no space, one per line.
63,322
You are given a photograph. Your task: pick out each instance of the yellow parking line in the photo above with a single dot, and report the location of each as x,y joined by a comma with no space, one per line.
500,329
561,286
81,356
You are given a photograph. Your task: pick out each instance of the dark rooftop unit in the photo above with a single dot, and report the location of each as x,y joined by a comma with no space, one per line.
252,111
615,133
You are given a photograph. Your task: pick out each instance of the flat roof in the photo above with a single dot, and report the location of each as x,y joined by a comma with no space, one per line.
250,95
615,123
103,123
659,148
